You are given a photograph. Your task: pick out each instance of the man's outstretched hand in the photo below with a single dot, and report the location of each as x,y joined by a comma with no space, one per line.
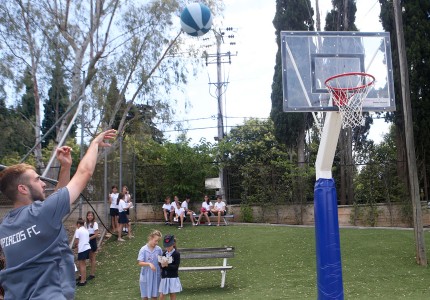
64,156
106,135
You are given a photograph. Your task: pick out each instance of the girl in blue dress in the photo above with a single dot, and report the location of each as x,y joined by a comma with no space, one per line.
150,277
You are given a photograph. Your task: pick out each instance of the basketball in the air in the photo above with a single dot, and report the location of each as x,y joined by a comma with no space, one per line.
196,19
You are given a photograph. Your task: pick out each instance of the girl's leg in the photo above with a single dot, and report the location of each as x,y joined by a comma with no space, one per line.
182,220
207,218
219,217
83,270
119,231
166,219
113,223
162,296
193,220
130,235
93,263
172,296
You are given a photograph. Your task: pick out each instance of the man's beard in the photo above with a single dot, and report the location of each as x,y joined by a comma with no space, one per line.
35,195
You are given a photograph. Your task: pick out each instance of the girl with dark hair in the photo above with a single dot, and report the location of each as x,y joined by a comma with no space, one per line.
123,219
169,262
205,210
93,229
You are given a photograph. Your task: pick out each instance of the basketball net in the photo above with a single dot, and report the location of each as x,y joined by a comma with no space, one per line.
348,91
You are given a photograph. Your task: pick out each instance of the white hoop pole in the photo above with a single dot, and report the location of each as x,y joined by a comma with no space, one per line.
327,148
327,240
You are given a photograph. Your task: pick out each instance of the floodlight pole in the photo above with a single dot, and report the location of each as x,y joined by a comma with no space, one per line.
219,99
219,93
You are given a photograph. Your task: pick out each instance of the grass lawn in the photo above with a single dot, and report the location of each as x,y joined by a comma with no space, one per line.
271,262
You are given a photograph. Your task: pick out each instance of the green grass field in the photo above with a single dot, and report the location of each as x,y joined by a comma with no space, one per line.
271,262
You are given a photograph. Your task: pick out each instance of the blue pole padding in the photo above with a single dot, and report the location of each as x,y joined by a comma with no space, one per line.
329,264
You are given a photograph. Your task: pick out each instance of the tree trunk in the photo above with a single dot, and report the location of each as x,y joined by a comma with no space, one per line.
343,175
301,166
349,167
420,248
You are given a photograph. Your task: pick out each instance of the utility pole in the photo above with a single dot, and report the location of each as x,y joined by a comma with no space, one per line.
414,190
219,90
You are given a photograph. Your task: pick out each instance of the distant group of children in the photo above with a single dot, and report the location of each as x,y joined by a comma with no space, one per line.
120,205
86,243
177,212
159,269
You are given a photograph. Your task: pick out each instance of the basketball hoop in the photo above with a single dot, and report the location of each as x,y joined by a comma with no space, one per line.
348,91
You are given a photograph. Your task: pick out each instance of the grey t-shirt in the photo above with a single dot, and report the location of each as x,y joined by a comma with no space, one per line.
39,262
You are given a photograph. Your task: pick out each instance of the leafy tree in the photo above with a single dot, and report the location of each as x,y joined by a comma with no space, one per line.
261,167
15,142
139,42
171,168
377,181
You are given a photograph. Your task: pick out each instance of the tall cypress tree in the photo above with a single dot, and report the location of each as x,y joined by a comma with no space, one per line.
27,106
290,128
109,106
416,27
342,18
56,104
290,15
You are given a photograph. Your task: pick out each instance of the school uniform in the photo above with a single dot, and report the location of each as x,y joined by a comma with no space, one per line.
170,282
84,243
113,206
91,230
220,206
167,207
123,219
207,207
149,281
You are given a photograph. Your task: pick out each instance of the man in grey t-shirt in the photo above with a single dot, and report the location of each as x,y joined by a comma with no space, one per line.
39,263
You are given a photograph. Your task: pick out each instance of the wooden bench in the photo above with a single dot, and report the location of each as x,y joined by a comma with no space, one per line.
215,218
208,253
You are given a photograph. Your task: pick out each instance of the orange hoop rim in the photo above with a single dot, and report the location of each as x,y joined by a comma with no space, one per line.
357,88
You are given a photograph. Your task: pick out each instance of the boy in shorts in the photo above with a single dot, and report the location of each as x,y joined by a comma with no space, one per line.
82,241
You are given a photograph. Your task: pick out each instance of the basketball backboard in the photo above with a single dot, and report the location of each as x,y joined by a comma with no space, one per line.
309,58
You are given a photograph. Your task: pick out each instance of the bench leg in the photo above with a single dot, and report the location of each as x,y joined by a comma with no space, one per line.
223,273
225,221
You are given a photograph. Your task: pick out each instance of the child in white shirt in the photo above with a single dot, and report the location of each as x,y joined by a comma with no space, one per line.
180,214
168,211
219,208
82,241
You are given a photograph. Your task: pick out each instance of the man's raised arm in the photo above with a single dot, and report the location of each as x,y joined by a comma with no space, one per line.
88,163
65,158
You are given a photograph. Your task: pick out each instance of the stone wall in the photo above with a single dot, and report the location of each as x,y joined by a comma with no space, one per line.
382,216
385,216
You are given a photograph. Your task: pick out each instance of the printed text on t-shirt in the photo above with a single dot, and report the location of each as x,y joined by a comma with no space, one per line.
19,236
